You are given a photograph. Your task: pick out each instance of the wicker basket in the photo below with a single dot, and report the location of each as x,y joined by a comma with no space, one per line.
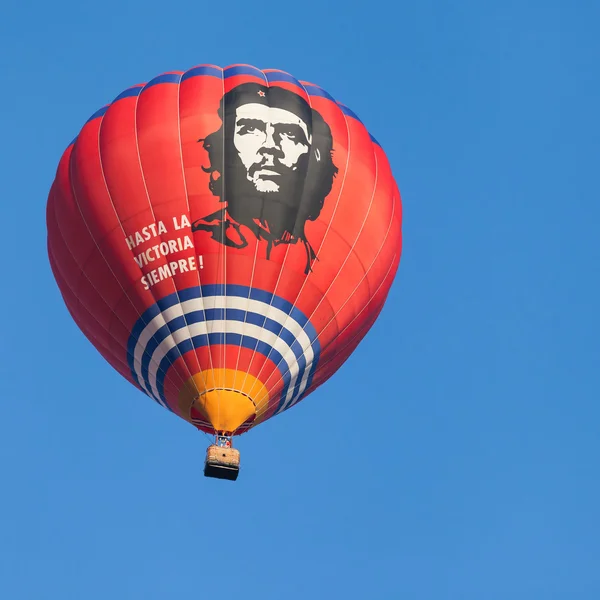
227,457
222,463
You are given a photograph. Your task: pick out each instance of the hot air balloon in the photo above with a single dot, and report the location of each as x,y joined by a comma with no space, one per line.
225,238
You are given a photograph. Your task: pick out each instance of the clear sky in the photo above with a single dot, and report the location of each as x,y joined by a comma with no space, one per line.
476,475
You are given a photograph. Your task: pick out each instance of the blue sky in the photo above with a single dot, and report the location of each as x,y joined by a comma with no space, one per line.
482,371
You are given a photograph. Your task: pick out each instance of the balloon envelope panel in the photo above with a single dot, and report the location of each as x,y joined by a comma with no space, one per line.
225,238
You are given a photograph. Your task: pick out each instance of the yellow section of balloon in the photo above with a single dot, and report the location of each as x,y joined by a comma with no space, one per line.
226,398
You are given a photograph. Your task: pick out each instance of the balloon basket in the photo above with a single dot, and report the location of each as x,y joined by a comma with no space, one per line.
222,462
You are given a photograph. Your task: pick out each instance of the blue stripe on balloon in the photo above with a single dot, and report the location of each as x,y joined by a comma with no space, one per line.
214,339
243,70
130,92
236,339
348,112
240,291
218,314
164,78
203,70
274,76
315,90
311,89
100,112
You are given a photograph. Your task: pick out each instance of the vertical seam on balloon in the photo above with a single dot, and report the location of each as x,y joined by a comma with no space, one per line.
137,148
268,312
141,316
320,246
286,402
74,192
271,398
211,366
210,324
256,249
187,200
224,247
295,401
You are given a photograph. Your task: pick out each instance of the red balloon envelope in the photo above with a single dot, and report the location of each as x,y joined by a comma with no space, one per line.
225,238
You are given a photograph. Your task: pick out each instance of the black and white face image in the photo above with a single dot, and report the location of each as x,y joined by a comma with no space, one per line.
271,164
270,143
